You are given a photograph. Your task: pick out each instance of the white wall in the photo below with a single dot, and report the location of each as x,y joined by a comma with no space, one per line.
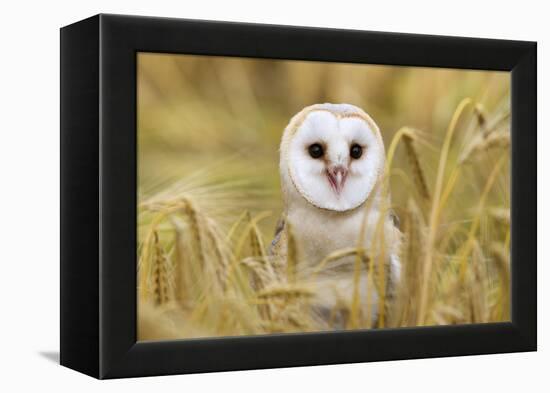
29,193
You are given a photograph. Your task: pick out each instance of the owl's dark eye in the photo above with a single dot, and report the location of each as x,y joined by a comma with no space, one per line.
315,150
356,151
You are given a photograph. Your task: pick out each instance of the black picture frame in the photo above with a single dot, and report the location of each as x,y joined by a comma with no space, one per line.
98,195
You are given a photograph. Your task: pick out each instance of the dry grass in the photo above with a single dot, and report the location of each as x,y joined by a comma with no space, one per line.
204,268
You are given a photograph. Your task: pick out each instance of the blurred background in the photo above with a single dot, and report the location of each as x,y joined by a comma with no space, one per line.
223,117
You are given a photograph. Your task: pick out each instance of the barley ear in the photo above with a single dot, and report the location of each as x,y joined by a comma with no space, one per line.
414,161
160,281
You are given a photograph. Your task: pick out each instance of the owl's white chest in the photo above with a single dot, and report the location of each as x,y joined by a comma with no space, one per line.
320,233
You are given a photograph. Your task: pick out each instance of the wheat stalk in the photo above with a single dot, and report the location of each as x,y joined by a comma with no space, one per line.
414,161
286,292
501,256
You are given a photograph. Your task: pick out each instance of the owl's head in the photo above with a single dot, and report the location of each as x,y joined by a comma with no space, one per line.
333,155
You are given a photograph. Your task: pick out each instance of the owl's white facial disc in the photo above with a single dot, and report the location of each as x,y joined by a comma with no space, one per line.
334,161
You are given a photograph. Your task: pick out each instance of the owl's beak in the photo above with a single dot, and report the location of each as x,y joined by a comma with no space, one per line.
337,177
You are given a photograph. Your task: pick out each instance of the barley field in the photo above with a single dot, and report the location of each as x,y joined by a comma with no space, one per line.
209,196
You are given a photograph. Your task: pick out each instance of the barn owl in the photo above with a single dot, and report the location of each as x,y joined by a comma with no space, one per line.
332,160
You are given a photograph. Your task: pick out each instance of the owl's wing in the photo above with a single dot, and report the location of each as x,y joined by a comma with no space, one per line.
279,243
394,260
395,219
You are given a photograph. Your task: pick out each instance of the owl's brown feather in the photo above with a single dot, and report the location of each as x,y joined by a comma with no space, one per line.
278,245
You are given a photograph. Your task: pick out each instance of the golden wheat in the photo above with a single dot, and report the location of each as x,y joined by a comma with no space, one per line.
414,160
160,281
199,277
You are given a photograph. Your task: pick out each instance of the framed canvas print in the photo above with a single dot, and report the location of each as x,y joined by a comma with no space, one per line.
238,196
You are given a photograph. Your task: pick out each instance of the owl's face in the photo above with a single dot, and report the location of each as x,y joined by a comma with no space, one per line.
334,155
